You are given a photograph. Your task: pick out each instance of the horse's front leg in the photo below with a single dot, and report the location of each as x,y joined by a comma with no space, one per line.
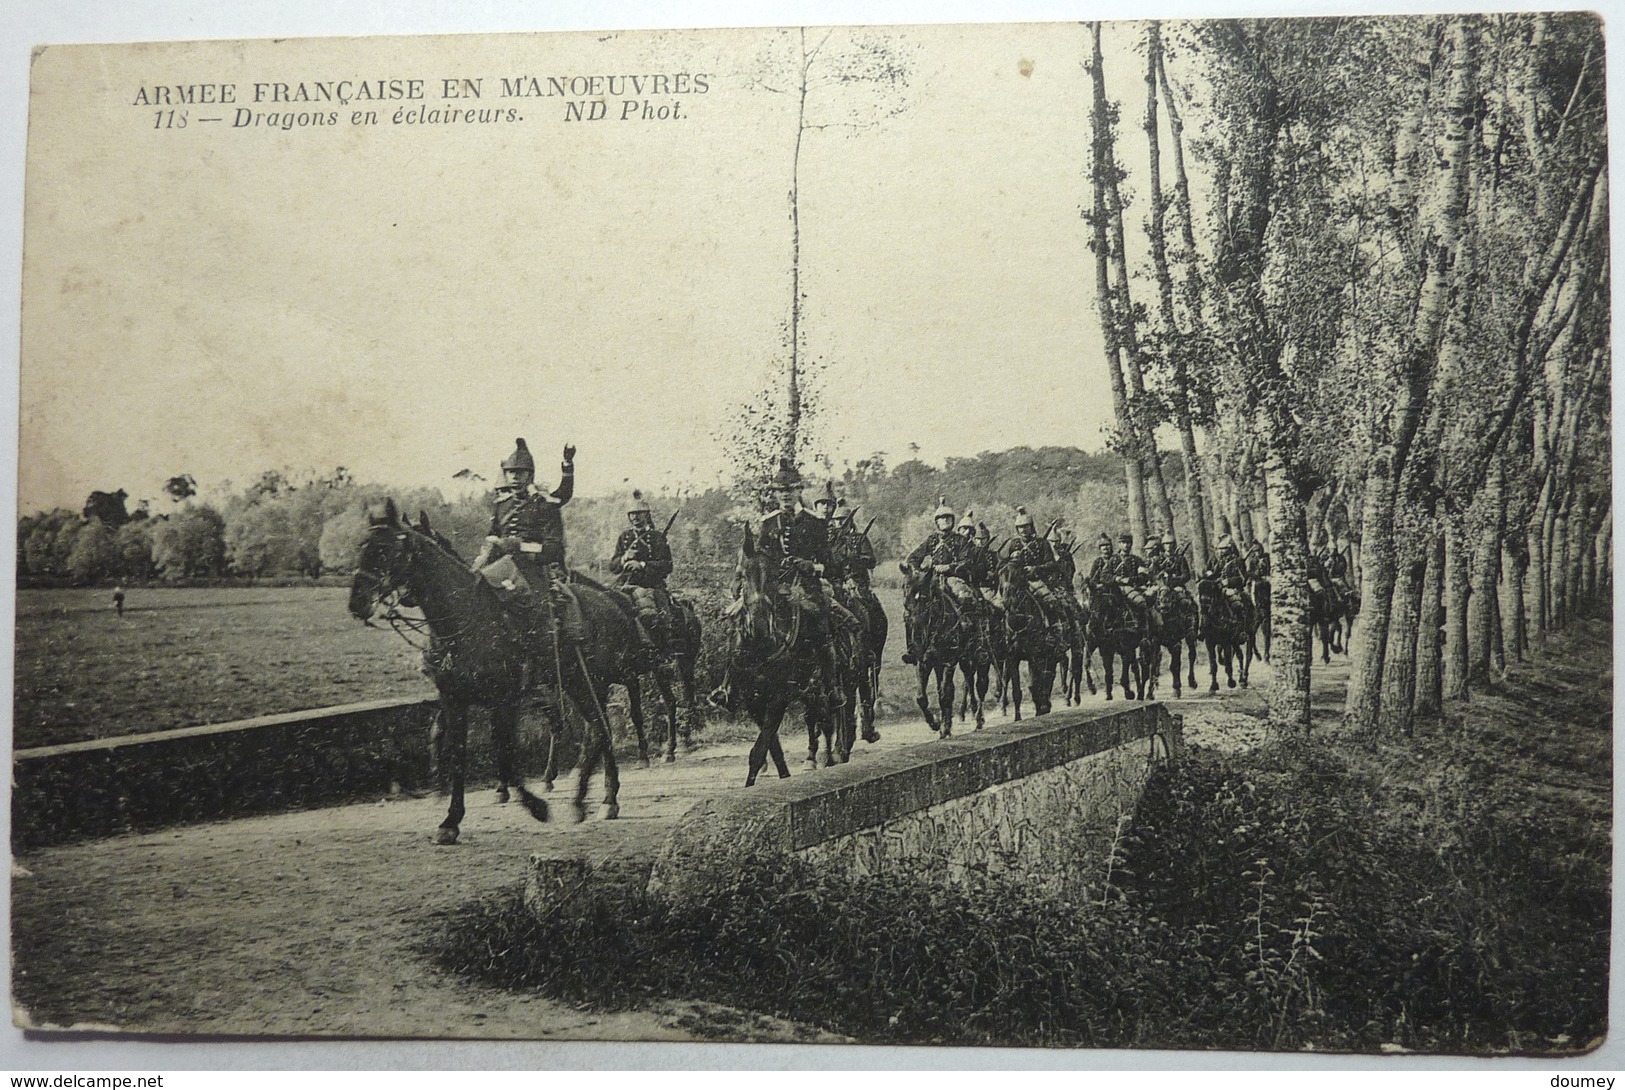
1012,674
667,686
454,753
945,698
1212,665
921,672
610,808
1190,658
504,735
634,707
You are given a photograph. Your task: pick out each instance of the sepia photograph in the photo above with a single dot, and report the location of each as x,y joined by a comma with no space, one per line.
1089,536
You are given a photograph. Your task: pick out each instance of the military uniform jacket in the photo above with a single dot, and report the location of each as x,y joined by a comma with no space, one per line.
800,535
535,518
1228,565
1066,566
649,546
1101,571
1337,565
982,570
1172,566
1130,569
1034,554
1258,564
943,548
853,553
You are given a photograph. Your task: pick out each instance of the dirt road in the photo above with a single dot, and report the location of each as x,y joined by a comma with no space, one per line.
311,923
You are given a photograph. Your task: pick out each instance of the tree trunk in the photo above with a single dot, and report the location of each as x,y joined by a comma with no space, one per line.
1429,630
1517,621
1292,647
1540,606
1444,225
1558,565
1178,341
1103,162
1498,650
1399,676
1481,609
1457,588
792,436
1369,645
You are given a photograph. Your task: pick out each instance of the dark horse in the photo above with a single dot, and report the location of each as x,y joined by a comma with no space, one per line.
1332,615
1116,628
943,637
1224,621
859,655
863,604
1173,626
1029,635
679,640
1259,588
774,660
478,654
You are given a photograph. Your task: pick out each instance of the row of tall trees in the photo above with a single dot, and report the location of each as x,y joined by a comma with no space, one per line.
1386,310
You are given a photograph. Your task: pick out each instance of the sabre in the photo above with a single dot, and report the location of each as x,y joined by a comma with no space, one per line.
871,523
671,520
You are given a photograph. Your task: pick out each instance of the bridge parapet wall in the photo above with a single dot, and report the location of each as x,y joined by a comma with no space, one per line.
1009,803
251,766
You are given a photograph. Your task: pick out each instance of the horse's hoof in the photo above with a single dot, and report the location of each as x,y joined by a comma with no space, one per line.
785,775
580,810
810,766
548,786
643,762
609,811
750,781
502,795
843,757
444,835
1231,684
671,758
871,736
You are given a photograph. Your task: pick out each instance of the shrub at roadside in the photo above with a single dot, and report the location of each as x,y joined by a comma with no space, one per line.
1286,899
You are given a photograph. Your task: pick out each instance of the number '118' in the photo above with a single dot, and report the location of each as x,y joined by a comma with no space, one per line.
169,119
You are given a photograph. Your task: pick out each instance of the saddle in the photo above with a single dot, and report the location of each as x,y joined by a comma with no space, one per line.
559,611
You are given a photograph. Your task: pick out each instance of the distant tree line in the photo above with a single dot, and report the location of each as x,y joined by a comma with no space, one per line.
286,525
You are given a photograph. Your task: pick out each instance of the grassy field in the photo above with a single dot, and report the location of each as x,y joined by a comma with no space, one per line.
182,657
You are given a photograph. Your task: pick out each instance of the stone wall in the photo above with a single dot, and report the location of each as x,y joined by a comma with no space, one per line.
1007,803
275,762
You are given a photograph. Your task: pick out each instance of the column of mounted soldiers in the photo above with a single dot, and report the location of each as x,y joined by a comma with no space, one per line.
825,564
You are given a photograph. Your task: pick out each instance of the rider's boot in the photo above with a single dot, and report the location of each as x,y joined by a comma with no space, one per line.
647,654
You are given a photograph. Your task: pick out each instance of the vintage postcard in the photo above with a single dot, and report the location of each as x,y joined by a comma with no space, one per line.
1086,535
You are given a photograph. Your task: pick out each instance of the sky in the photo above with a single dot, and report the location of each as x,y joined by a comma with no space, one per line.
405,300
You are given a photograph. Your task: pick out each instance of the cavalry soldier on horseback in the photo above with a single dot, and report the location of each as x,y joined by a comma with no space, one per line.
981,569
1130,573
1337,568
527,530
1035,555
643,561
799,541
1320,581
1228,565
1257,561
947,556
853,551
1100,572
1169,567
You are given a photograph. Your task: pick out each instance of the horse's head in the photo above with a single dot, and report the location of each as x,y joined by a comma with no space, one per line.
381,569
1012,579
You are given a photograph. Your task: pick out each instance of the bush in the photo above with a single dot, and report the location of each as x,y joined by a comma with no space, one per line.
1279,900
